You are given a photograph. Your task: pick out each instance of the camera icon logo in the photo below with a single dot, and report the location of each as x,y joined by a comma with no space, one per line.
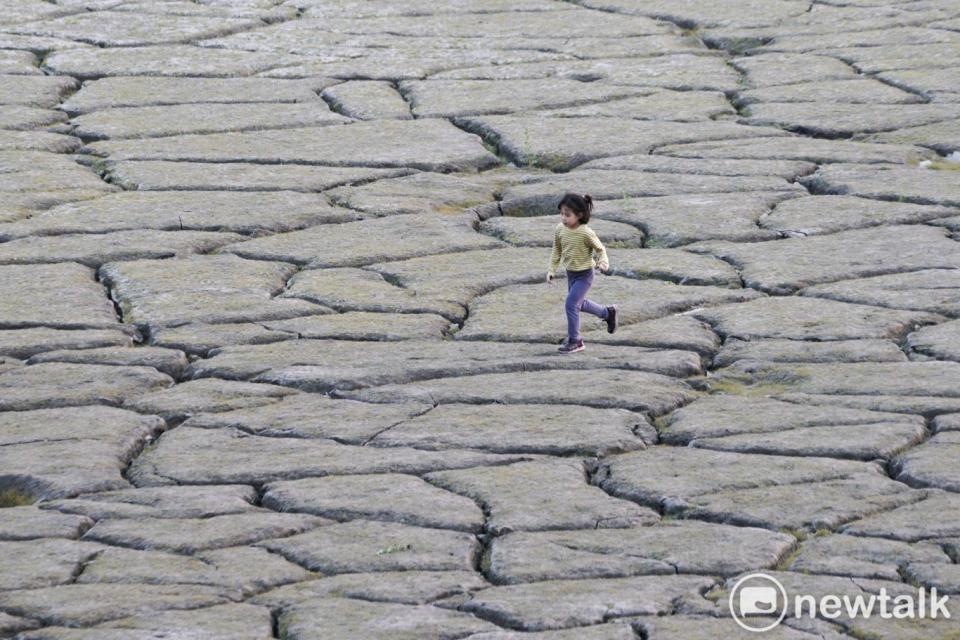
758,594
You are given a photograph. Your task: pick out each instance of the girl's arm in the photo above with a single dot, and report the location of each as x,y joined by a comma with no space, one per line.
555,254
603,263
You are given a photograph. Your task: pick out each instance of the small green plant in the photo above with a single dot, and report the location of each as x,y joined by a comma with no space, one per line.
799,534
786,561
394,548
661,423
763,382
860,634
737,46
13,498
494,149
526,152
457,207
734,387
943,165
101,166
716,594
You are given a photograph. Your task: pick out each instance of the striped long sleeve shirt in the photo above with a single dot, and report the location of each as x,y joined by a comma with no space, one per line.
575,249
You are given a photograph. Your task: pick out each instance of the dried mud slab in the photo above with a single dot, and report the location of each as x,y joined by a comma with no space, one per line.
898,183
246,213
904,124
921,379
718,416
54,384
199,338
786,350
95,250
339,364
540,197
783,267
168,361
403,587
672,221
371,546
72,299
521,429
52,453
160,502
430,145
389,497
932,517
855,90
35,91
355,244
160,175
206,396
359,620
933,290
772,69
749,490
650,393
178,61
30,522
128,29
828,214
233,621
664,548
187,536
559,604
683,70
933,464
541,495
368,100
221,288
562,143
151,122
314,416
786,169
227,456
800,318
855,556
111,93
89,604
430,192
942,137
24,343
454,98
798,148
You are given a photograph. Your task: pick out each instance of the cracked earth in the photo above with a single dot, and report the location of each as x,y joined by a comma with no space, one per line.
277,359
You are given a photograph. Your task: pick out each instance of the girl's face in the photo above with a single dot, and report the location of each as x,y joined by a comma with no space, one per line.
569,218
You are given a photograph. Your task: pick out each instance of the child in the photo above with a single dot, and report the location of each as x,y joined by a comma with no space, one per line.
574,244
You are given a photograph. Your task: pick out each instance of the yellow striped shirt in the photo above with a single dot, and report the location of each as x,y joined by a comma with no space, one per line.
575,248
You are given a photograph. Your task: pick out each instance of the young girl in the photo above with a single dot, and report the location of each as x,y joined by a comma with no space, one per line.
574,244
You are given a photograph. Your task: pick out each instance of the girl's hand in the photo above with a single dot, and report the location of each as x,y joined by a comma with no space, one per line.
549,279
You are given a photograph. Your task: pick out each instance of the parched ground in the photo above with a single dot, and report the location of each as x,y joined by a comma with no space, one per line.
277,359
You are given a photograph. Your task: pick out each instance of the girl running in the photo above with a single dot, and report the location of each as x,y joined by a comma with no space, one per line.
577,247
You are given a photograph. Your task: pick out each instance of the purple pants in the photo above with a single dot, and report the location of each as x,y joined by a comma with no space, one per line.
578,284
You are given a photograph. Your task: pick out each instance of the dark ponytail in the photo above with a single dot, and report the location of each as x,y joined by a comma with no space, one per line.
582,206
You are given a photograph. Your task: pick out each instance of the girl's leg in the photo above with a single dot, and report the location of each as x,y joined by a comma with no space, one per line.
594,309
578,284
